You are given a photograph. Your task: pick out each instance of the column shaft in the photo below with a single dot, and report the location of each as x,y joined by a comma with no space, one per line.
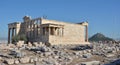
86,33
53,30
62,31
49,30
45,31
15,32
58,32
12,32
8,35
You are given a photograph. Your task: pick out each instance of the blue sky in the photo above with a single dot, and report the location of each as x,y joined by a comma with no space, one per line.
103,15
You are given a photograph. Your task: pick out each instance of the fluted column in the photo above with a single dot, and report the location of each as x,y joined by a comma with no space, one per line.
49,30
9,35
58,31
12,32
15,32
53,30
62,31
45,31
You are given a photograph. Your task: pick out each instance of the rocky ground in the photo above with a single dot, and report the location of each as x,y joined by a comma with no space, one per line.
40,54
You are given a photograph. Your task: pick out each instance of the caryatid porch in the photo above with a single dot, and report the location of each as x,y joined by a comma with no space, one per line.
52,29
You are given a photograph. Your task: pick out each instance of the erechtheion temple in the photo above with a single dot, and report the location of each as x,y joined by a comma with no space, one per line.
52,31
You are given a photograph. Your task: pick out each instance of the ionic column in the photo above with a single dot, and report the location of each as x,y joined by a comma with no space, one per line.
8,35
86,34
53,30
62,31
34,32
15,32
45,31
49,30
58,31
12,32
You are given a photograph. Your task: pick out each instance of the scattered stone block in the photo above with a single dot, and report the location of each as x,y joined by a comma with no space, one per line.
16,62
44,49
31,60
9,61
84,51
47,53
1,58
29,44
91,63
109,55
88,55
35,59
35,44
20,43
24,60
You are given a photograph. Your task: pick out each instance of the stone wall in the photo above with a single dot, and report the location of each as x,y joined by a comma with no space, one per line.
73,33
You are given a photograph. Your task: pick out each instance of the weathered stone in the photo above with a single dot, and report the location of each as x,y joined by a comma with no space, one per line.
109,55
89,51
91,63
44,49
1,58
4,47
38,52
17,53
31,60
50,61
20,43
9,61
68,59
47,53
16,62
55,47
29,44
88,55
11,45
35,59
117,49
76,53
41,44
55,57
84,51
78,33
40,59
24,60
80,52
35,44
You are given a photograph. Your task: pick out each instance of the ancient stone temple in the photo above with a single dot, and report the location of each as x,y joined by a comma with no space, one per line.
52,31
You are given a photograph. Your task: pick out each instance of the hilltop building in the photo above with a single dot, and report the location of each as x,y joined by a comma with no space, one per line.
52,31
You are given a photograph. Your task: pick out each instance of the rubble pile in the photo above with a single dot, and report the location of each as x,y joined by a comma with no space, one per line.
38,53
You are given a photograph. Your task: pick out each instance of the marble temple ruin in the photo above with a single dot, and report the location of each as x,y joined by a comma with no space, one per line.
51,31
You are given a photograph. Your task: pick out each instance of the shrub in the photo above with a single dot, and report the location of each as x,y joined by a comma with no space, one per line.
23,37
15,38
19,37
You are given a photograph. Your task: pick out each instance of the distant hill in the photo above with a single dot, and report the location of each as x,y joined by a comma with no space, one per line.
100,37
